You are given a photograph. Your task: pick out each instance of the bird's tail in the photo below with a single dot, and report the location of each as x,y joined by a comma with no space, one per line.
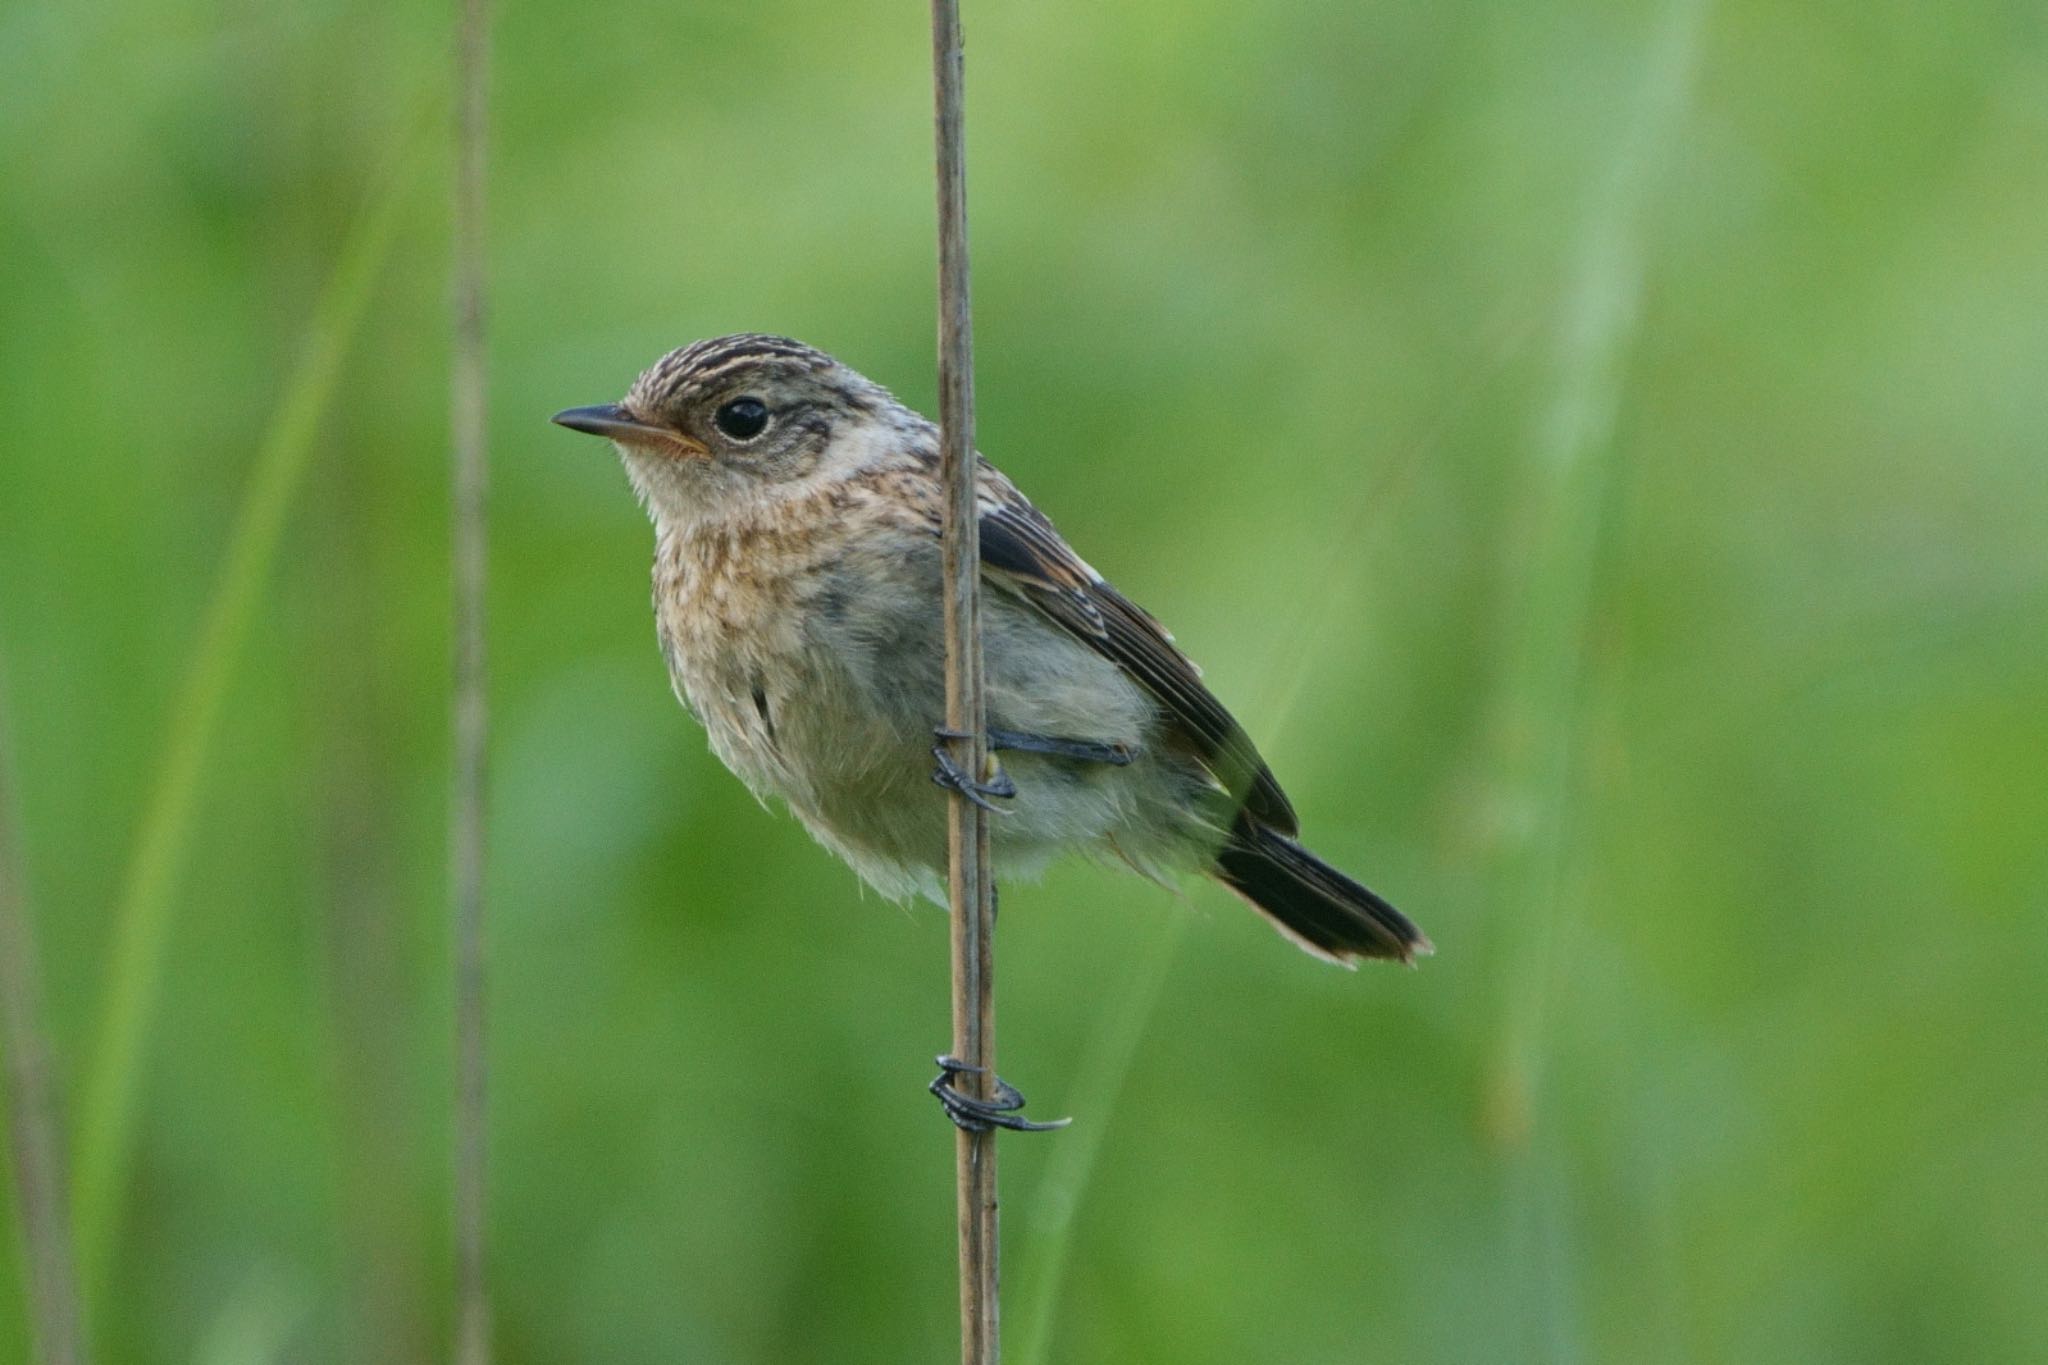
1311,902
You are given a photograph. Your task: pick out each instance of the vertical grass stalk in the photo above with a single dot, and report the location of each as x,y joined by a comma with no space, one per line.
1541,699
1552,560
50,1275
468,563
142,916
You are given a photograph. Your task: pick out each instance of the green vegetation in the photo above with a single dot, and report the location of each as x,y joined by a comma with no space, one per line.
1597,449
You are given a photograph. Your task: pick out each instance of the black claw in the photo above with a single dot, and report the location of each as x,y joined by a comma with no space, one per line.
952,777
981,1116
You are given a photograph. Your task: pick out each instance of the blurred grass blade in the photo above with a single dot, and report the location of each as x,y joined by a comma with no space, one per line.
1104,1069
50,1276
256,1324
1542,694
142,918
1551,564
1106,1066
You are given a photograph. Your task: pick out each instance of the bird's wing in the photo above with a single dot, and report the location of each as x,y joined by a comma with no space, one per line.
1023,553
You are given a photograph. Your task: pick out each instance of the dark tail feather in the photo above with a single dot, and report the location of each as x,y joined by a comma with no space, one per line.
1311,902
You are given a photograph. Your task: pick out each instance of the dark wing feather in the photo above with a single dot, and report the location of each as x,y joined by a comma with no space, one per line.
1027,555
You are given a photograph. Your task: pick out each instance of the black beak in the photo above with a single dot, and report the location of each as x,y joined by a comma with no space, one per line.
610,420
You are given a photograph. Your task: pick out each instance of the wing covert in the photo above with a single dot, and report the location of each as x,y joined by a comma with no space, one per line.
1021,550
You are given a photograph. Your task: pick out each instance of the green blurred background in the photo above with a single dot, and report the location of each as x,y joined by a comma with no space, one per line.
1597,448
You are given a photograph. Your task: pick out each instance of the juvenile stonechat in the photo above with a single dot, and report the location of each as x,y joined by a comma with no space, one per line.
796,510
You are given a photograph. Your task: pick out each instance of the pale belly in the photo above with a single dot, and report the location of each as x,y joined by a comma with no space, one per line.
838,725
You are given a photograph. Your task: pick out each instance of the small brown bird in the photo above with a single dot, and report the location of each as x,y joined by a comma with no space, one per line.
796,509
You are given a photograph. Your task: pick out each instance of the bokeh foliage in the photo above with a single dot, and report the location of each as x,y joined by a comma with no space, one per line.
1598,449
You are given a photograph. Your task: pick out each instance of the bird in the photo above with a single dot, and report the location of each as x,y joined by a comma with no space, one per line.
797,511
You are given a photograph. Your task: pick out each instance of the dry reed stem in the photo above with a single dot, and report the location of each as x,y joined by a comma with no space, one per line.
972,887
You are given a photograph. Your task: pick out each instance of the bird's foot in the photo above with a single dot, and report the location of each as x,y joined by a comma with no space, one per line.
973,1115
950,775
1086,750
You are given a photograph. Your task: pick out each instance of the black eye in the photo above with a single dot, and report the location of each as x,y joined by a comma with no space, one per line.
743,418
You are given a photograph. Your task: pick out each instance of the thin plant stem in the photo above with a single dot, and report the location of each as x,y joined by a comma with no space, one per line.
967,835
468,532
52,1280
142,916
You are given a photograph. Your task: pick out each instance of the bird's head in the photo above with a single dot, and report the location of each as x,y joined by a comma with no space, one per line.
732,419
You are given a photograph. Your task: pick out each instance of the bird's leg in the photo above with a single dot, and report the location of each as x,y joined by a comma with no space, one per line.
1086,750
950,775
973,1115
999,1110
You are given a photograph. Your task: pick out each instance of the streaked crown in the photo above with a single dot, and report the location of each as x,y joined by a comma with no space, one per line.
702,368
